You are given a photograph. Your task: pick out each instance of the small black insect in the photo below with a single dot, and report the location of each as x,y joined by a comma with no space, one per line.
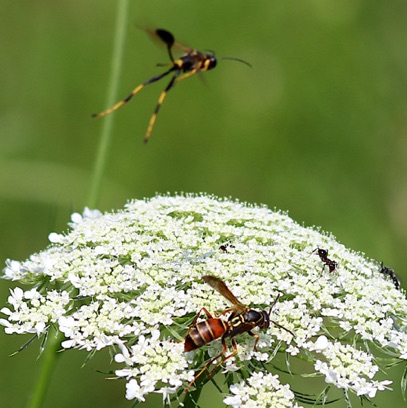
323,254
224,247
391,274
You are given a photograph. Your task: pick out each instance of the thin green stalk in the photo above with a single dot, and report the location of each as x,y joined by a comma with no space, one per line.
48,360
49,356
106,135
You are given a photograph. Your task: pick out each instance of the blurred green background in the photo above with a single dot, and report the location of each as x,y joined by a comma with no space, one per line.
317,127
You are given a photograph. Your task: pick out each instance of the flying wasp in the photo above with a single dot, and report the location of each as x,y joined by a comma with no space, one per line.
190,63
241,320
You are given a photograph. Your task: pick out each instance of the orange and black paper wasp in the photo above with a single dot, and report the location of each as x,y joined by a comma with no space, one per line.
190,63
241,320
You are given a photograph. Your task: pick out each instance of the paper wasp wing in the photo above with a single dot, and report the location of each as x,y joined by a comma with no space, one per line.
221,287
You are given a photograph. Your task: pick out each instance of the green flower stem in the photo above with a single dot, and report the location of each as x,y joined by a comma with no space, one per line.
49,356
106,136
48,360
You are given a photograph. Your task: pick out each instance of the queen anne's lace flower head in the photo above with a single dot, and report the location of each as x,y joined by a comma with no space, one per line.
132,280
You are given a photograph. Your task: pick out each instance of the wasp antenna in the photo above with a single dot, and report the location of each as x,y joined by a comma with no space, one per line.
236,59
212,52
274,303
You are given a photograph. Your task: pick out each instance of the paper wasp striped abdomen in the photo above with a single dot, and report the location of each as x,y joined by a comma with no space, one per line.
204,332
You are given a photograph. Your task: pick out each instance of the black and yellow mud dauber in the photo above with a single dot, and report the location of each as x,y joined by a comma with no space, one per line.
190,63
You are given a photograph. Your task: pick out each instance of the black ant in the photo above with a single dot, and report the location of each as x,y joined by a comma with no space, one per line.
323,254
224,247
391,274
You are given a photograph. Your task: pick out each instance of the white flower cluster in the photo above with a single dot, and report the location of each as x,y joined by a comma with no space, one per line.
261,391
33,312
347,367
151,361
95,326
133,280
